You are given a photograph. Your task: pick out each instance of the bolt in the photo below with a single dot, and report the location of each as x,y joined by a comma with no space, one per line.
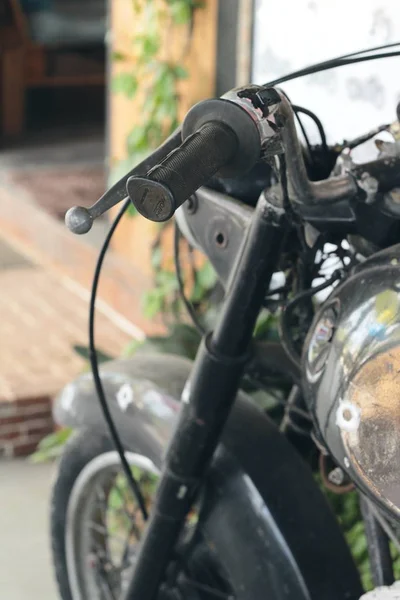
370,186
347,415
336,476
192,204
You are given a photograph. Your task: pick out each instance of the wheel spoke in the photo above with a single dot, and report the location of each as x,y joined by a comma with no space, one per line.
106,586
101,501
104,569
102,529
122,495
128,514
134,531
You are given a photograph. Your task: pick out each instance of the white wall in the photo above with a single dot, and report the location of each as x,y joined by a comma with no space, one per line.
350,100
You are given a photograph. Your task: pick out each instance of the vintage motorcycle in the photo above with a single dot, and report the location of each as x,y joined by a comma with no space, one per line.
176,485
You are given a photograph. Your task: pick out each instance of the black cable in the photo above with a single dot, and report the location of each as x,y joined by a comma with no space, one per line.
188,305
309,113
284,186
303,130
95,367
305,136
320,65
314,290
330,64
283,325
260,385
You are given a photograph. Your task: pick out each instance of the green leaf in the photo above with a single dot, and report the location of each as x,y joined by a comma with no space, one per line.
57,438
153,302
118,56
206,276
167,279
147,47
197,294
125,83
83,352
181,72
132,348
168,107
156,257
115,499
154,134
137,139
360,547
355,532
51,446
263,324
132,211
151,46
164,83
181,12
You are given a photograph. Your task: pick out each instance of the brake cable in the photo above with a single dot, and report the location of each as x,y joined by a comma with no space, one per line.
95,366
332,64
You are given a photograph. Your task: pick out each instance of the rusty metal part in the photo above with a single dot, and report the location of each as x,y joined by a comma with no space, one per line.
375,444
330,485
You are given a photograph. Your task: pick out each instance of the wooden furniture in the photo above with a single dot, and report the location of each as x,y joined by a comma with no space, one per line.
27,62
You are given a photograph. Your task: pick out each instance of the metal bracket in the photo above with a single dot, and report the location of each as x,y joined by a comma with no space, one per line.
216,224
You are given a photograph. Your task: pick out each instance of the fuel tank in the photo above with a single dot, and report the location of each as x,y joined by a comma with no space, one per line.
351,377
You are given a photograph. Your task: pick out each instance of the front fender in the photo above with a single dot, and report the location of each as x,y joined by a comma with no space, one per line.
142,395
257,483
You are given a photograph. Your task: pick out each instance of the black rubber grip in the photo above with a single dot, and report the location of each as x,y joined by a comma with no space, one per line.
169,184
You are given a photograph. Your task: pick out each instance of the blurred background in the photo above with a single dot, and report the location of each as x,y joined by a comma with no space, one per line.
87,89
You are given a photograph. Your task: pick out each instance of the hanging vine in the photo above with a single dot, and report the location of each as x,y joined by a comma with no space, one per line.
159,73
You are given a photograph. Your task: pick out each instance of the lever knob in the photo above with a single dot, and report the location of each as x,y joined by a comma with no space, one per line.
78,219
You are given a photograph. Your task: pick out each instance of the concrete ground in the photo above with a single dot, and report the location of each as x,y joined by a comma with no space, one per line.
25,560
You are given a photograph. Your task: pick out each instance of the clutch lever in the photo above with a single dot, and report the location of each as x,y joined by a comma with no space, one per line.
79,219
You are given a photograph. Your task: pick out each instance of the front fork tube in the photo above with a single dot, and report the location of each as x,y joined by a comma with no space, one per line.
208,398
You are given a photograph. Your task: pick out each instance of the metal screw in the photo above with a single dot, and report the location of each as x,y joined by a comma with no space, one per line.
370,186
336,476
192,204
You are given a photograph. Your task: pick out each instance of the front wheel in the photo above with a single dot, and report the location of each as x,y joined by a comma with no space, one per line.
96,526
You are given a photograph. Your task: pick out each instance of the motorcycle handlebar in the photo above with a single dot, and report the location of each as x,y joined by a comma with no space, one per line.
170,183
227,136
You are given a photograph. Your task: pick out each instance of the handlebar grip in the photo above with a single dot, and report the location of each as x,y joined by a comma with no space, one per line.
169,184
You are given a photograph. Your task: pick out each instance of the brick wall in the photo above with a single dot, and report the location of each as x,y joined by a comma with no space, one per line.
23,424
